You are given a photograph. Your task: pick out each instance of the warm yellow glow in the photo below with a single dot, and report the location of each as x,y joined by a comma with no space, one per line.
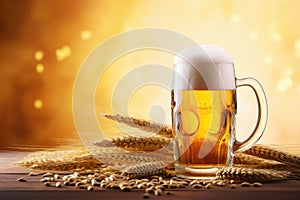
85,34
284,84
253,35
262,36
268,59
63,53
38,104
276,37
39,68
298,88
235,18
39,55
289,71
297,48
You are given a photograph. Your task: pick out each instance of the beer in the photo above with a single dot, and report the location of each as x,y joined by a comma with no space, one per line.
203,111
203,124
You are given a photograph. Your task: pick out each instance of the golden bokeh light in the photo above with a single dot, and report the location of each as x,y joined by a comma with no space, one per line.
63,53
235,18
298,88
38,104
276,37
268,59
284,84
85,34
297,48
39,55
39,68
289,71
253,35
261,36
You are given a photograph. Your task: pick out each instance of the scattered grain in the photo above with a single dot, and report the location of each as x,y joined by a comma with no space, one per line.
146,195
245,184
257,184
58,184
21,180
196,186
157,192
48,184
233,186
208,186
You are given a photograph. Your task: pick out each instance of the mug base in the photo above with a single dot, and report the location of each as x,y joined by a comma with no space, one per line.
196,173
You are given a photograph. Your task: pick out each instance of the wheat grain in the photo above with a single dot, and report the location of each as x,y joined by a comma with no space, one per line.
146,125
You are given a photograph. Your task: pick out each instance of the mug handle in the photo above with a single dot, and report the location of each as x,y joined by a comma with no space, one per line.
262,114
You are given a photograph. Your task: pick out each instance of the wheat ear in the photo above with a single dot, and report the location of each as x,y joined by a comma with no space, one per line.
61,160
146,125
145,170
245,159
269,153
136,144
250,174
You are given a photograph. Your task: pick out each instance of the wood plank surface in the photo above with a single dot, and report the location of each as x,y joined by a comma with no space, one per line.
34,189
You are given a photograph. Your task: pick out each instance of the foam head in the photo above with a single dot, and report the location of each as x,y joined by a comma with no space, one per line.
203,67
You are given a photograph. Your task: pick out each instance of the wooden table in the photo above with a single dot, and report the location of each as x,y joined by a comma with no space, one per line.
34,189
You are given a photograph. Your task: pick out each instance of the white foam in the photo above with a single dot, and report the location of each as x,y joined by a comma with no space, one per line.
203,67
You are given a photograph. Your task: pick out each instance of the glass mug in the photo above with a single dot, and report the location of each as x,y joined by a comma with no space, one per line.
203,111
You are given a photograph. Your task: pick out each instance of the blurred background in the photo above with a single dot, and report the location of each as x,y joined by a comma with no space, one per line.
43,44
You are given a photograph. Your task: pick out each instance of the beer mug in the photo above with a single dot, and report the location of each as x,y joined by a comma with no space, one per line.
203,111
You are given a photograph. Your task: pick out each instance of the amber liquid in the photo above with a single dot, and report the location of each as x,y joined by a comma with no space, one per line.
203,122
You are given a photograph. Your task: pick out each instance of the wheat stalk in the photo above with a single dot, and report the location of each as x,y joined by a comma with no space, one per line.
72,159
263,151
262,163
145,125
135,144
140,165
